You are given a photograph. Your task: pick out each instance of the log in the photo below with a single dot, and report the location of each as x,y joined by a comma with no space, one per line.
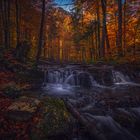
91,128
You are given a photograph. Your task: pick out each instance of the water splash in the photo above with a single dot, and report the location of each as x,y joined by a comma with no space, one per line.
110,127
68,78
120,79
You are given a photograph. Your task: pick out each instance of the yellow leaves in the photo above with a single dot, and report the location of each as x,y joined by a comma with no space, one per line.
24,104
87,17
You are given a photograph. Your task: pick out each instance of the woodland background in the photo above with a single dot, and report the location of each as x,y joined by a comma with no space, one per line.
93,30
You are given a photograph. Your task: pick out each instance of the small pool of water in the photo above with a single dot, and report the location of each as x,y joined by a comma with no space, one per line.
61,90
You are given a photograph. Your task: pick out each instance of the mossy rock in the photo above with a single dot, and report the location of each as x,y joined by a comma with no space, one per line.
55,119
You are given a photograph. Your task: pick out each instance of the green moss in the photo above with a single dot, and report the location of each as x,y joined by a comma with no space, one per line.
55,118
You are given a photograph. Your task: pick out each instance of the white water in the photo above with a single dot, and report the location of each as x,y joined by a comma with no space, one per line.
110,127
121,79
64,80
71,77
58,89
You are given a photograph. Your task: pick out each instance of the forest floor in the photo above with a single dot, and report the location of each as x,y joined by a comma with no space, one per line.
25,115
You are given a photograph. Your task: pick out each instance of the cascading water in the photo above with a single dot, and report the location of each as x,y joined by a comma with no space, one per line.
69,77
112,129
82,88
119,77
65,80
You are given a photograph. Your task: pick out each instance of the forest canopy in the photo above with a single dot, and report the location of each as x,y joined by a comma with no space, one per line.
90,31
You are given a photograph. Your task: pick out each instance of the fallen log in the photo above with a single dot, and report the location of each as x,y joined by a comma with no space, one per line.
91,128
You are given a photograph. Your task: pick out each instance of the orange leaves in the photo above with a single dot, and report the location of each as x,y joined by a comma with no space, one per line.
4,103
5,78
17,130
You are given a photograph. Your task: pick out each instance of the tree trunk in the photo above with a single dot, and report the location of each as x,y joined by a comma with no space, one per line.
1,23
6,28
8,21
104,30
120,28
4,12
94,132
124,26
41,32
17,22
96,42
98,19
92,47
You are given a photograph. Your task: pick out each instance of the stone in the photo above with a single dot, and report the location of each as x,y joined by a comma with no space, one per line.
23,109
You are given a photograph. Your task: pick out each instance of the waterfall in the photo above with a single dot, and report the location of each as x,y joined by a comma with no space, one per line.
119,77
69,77
70,80
45,78
54,76
80,77
112,129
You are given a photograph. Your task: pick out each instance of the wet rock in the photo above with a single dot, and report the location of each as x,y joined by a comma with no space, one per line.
94,111
132,70
85,80
102,74
55,120
81,102
109,128
136,111
124,117
23,109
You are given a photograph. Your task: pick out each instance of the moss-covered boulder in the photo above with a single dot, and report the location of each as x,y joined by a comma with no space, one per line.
55,120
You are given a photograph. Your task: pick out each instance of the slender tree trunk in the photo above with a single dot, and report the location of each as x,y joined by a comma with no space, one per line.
17,22
105,38
107,41
8,21
103,2
124,26
4,10
6,28
41,32
2,22
98,19
120,28
116,32
96,42
92,47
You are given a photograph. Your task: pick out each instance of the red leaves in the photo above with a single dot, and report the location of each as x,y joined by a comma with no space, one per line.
5,77
9,128
4,104
18,130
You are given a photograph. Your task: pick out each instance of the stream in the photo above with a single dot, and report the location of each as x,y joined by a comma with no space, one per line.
100,94
70,80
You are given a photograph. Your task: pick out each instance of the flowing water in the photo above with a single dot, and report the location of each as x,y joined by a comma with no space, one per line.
70,80
82,85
